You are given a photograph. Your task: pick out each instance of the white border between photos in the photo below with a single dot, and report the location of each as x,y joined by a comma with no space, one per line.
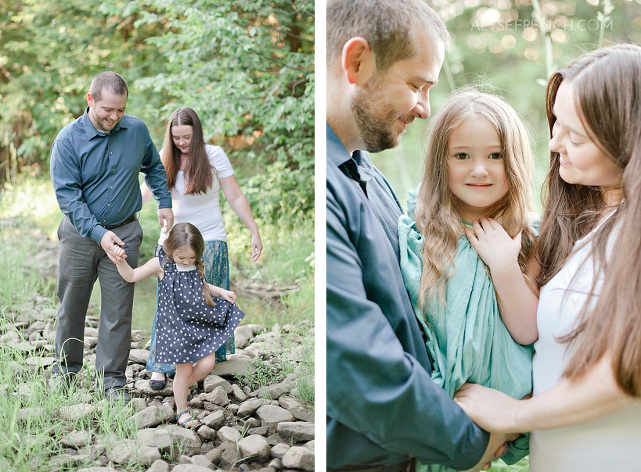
320,235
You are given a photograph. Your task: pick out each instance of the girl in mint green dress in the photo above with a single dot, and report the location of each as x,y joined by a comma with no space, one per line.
465,249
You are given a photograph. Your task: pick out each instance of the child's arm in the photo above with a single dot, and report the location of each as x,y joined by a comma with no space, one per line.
152,266
575,401
517,301
221,292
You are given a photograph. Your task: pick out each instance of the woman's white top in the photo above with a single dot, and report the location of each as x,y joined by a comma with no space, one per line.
202,210
612,442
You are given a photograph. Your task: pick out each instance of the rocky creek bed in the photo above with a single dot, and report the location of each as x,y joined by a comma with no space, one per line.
245,427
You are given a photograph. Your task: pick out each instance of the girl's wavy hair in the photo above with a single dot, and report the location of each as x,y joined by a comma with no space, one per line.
436,215
199,172
607,86
187,235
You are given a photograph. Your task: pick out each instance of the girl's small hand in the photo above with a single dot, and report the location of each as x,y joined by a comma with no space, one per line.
492,410
228,295
119,253
493,245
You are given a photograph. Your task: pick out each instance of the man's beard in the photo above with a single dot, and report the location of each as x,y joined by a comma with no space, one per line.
99,125
375,128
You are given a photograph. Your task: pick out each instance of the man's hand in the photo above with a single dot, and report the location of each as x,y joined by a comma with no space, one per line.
109,244
166,219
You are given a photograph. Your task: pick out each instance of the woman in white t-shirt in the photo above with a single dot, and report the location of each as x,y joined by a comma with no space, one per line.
195,173
585,413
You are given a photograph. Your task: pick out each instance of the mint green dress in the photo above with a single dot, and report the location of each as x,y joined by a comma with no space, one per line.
466,339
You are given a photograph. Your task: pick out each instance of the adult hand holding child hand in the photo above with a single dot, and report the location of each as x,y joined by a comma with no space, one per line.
111,243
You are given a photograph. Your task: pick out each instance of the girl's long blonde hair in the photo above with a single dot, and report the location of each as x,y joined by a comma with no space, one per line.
187,235
436,214
607,89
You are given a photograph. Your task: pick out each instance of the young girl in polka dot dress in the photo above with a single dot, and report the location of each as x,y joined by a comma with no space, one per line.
191,326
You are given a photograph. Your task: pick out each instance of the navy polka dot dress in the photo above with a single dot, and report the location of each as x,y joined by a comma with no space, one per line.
189,329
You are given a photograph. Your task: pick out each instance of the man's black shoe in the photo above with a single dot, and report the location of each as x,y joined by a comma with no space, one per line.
117,394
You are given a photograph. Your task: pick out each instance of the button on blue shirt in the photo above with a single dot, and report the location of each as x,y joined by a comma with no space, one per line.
95,174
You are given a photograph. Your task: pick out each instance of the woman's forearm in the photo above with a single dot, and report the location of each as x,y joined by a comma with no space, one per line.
575,401
571,402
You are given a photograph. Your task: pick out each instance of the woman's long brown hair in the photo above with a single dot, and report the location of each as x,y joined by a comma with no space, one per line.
607,87
198,174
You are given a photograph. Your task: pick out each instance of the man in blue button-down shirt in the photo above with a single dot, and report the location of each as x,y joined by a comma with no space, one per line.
95,163
382,407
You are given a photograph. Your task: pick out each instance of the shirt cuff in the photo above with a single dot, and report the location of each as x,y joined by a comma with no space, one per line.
164,203
97,233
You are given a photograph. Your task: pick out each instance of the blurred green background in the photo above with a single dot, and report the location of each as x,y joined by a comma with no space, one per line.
510,48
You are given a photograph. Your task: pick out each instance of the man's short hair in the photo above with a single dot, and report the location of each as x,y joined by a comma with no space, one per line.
109,81
387,26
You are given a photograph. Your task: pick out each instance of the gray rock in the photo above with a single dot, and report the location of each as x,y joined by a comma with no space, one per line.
229,434
214,420
299,458
249,407
138,356
201,461
77,439
274,391
229,454
254,446
280,449
100,469
214,456
311,445
260,430
129,452
297,409
188,438
298,431
218,396
238,393
207,433
138,404
213,381
191,468
271,415
150,416
25,413
159,466
76,412
90,342
63,461
155,437
236,364
252,423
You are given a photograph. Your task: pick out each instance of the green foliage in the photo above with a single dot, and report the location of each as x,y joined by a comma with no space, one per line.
52,50
281,194
246,67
